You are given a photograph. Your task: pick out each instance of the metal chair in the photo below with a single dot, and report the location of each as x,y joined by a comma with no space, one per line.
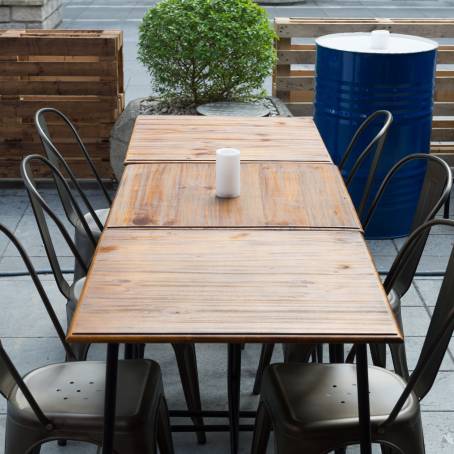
65,401
95,218
435,191
185,353
313,407
377,144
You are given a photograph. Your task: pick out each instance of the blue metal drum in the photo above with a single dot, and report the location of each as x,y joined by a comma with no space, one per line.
353,79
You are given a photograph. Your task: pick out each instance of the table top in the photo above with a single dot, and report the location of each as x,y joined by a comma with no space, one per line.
279,194
196,138
232,285
285,262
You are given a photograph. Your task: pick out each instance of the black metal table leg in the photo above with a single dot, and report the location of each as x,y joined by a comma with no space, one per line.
110,398
234,381
362,374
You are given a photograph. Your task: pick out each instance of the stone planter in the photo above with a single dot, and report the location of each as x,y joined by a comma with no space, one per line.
30,13
122,130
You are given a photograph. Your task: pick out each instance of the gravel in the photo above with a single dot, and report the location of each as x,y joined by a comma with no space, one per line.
154,106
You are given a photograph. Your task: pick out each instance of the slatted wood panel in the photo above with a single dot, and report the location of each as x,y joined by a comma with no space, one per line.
79,72
296,86
229,285
168,138
294,195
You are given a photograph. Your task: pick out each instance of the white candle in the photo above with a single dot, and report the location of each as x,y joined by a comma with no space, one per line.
379,39
227,172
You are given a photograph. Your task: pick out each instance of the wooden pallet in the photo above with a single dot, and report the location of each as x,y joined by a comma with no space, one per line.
295,86
79,72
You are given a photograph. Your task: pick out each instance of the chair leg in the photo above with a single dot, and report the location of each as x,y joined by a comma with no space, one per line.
398,353
265,361
262,431
187,366
378,353
336,353
386,449
20,439
408,439
164,435
351,355
320,353
446,208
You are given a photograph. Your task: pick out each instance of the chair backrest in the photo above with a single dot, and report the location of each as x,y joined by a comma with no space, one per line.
41,209
441,326
56,158
435,191
9,376
377,143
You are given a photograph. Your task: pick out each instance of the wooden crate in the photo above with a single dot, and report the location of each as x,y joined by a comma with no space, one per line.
295,86
79,72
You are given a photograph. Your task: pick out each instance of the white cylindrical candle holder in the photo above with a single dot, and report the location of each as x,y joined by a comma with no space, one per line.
228,172
379,39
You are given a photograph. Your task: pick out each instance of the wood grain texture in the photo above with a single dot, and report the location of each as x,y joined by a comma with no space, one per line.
273,194
79,72
159,285
189,138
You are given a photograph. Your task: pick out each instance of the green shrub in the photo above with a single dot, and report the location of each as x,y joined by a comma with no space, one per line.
207,50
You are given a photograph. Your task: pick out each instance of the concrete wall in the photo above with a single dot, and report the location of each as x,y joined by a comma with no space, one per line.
30,13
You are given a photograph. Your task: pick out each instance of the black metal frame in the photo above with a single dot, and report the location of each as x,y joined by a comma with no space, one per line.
378,142
40,208
52,151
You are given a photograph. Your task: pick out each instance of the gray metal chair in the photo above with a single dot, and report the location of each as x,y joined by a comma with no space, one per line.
313,407
375,145
96,219
65,401
435,191
185,353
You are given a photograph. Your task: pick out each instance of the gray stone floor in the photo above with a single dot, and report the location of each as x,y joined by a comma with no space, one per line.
24,325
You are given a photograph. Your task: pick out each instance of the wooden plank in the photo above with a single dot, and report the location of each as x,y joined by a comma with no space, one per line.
77,43
430,28
443,134
79,108
168,138
84,86
60,134
272,195
222,285
65,68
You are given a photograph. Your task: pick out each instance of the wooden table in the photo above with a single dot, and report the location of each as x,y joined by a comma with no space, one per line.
173,138
285,262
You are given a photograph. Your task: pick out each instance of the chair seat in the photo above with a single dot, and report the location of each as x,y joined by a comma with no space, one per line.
72,394
102,214
312,397
76,290
394,301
